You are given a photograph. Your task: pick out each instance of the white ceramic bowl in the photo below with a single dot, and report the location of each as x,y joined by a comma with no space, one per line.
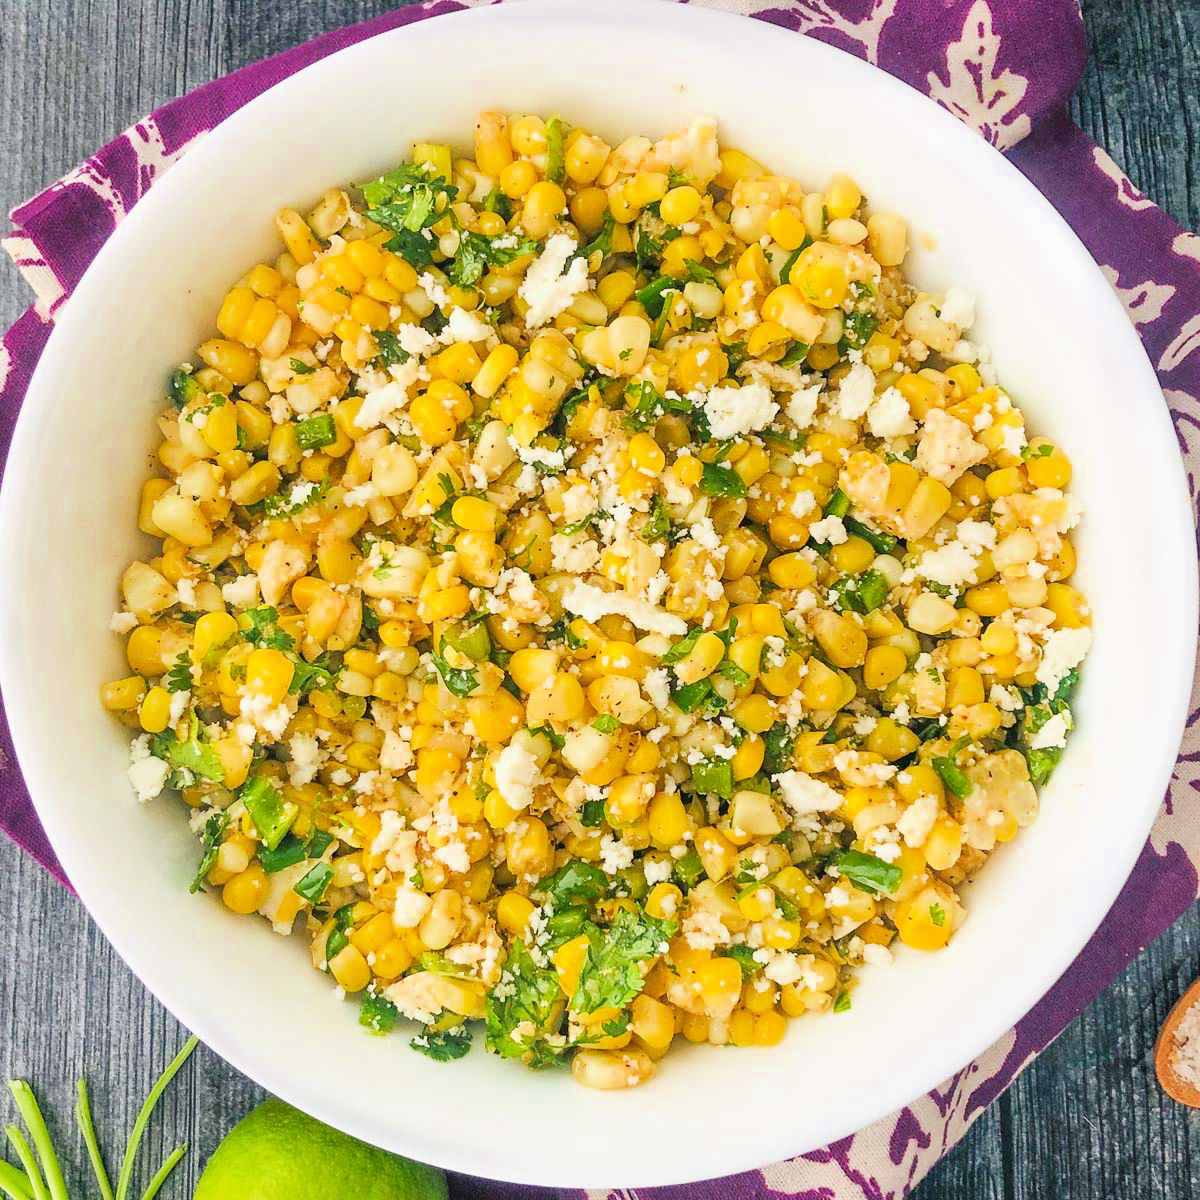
1063,345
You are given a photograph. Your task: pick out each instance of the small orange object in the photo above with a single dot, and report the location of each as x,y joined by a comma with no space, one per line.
1177,1087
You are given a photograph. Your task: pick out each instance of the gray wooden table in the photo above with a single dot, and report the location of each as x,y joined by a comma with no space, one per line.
1085,1122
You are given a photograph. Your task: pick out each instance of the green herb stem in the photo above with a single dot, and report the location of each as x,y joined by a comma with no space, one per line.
143,1117
13,1183
32,1174
83,1118
160,1176
36,1124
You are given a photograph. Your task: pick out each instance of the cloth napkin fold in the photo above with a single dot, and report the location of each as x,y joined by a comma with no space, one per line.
1006,68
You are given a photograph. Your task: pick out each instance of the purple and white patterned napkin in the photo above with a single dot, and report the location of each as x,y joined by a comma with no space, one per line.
1006,68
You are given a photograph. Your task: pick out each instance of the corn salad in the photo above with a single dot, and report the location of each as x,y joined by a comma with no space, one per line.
598,597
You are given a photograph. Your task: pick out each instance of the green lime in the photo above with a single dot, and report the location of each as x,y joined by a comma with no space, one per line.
277,1153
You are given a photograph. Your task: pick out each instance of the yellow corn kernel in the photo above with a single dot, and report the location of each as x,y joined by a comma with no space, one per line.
754,713
646,454
269,673
513,912
495,718
842,197
473,512
852,556
663,901
702,659
987,599
791,571
123,695
925,921
155,710
822,688
883,665
256,484
668,820
297,237
1068,606
245,891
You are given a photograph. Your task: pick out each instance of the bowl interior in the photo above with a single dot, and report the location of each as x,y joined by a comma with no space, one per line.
84,443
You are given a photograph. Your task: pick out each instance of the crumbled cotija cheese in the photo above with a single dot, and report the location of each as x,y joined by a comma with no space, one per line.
590,602
516,773
147,774
856,394
889,416
804,794
548,288
1064,650
733,411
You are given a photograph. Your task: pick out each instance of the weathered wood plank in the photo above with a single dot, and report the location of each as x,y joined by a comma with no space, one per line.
1086,1122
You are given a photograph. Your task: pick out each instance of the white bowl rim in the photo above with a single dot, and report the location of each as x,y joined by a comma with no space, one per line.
1178,622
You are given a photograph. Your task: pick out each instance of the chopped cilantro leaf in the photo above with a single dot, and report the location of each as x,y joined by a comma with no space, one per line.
857,328
290,851
314,432
574,880
279,507
315,676
653,296
529,1000
657,527
778,743
795,353
260,628
556,740
301,368
179,677
183,388
214,828
682,648
952,776
407,198
649,404
189,760
868,872
476,252
720,480
606,723
603,240
378,1013
445,1045
459,681
390,351
612,973
700,698
743,955
497,202
415,248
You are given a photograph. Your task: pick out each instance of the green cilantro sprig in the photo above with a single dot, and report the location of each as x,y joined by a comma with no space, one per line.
40,1175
